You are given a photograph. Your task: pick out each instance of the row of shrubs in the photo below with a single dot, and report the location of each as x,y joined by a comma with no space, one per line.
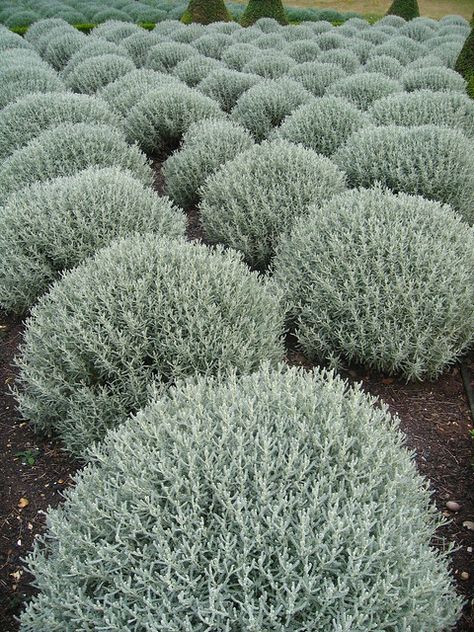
224,490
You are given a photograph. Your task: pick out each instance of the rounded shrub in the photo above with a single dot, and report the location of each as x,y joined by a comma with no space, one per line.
21,57
317,77
270,66
434,78
236,56
29,116
381,279
391,49
141,314
270,42
36,31
43,42
423,107
18,81
347,59
226,86
138,45
435,162
206,146
212,44
21,18
53,226
276,498
264,106
195,69
66,149
93,48
62,48
330,40
107,15
427,61
251,200
303,50
384,65
165,56
189,34
323,124
162,116
363,88
96,72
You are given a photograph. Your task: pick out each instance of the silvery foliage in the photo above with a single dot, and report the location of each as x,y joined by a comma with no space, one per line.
194,69
138,316
138,45
385,65
29,116
187,35
16,81
62,48
427,61
162,116
435,162
347,59
390,49
95,73
434,78
21,57
212,44
273,501
323,124
43,42
271,65
317,77
66,149
363,88
115,30
92,48
330,40
381,279
361,48
264,106
302,50
270,41
226,86
124,93
251,200
237,55
446,109
205,147
53,226
36,31
165,56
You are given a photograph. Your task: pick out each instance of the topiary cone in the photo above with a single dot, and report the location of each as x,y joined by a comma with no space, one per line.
406,9
206,11
465,62
257,9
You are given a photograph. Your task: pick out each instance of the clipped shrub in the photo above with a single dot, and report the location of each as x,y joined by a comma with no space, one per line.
161,118
382,280
392,20
110,14
331,40
389,49
189,34
195,69
206,146
406,9
180,309
258,10
270,42
385,65
302,51
323,124
66,149
53,226
433,78
62,48
95,73
435,162
21,18
264,106
212,44
165,56
465,62
317,77
92,48
426,61
29,116
36,31
363,88
207,11
21,80
42,43
21,57
423,107
250,201
226,86
347,59
220,486
138,45
237,55
270,66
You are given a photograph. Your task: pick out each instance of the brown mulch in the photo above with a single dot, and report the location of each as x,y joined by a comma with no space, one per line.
434,415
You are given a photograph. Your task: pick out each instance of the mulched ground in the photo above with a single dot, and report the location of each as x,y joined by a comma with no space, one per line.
434,415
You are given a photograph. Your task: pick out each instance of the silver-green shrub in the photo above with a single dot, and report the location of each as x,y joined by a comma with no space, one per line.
281,501
142,313
94,47
237,55
30,115
226,86
21,57
165,56
264,106
18,81
114,30
194,69
250,201
270,66
62,48
212,44
206,146
330,40
435,162
323,124
138,45
52,226
66,149
385,65
41,27
446,109
346,59
363,88
381,279
317,77
303,50
162,116
433,78
95,73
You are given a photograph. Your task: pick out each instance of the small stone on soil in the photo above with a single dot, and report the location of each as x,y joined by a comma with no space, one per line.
453,506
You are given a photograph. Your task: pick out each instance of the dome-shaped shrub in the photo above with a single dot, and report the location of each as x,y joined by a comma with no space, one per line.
303,50
162,116
53,226
226,86
270,42
36,31
43,42
237,55
195,69
323,124
383,280
264,106
62,48
390,49
446,109
251,200
138,45
267,502
12,40
206,146
363,88
330,40
93,48
96,72
427,61
189,34
21,57
29,116
434,78
212,44
66,149
165,56
110,17
21,18
270,66
21,80
435,162
384,65
141,313
342,57
317,77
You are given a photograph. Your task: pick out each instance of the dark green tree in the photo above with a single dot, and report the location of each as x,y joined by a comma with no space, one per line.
465,62
406,9
257,9
206,11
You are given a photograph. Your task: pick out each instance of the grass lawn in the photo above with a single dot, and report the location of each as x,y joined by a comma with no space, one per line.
429,8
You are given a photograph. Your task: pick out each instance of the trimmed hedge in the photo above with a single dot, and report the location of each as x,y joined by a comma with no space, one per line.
258,9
